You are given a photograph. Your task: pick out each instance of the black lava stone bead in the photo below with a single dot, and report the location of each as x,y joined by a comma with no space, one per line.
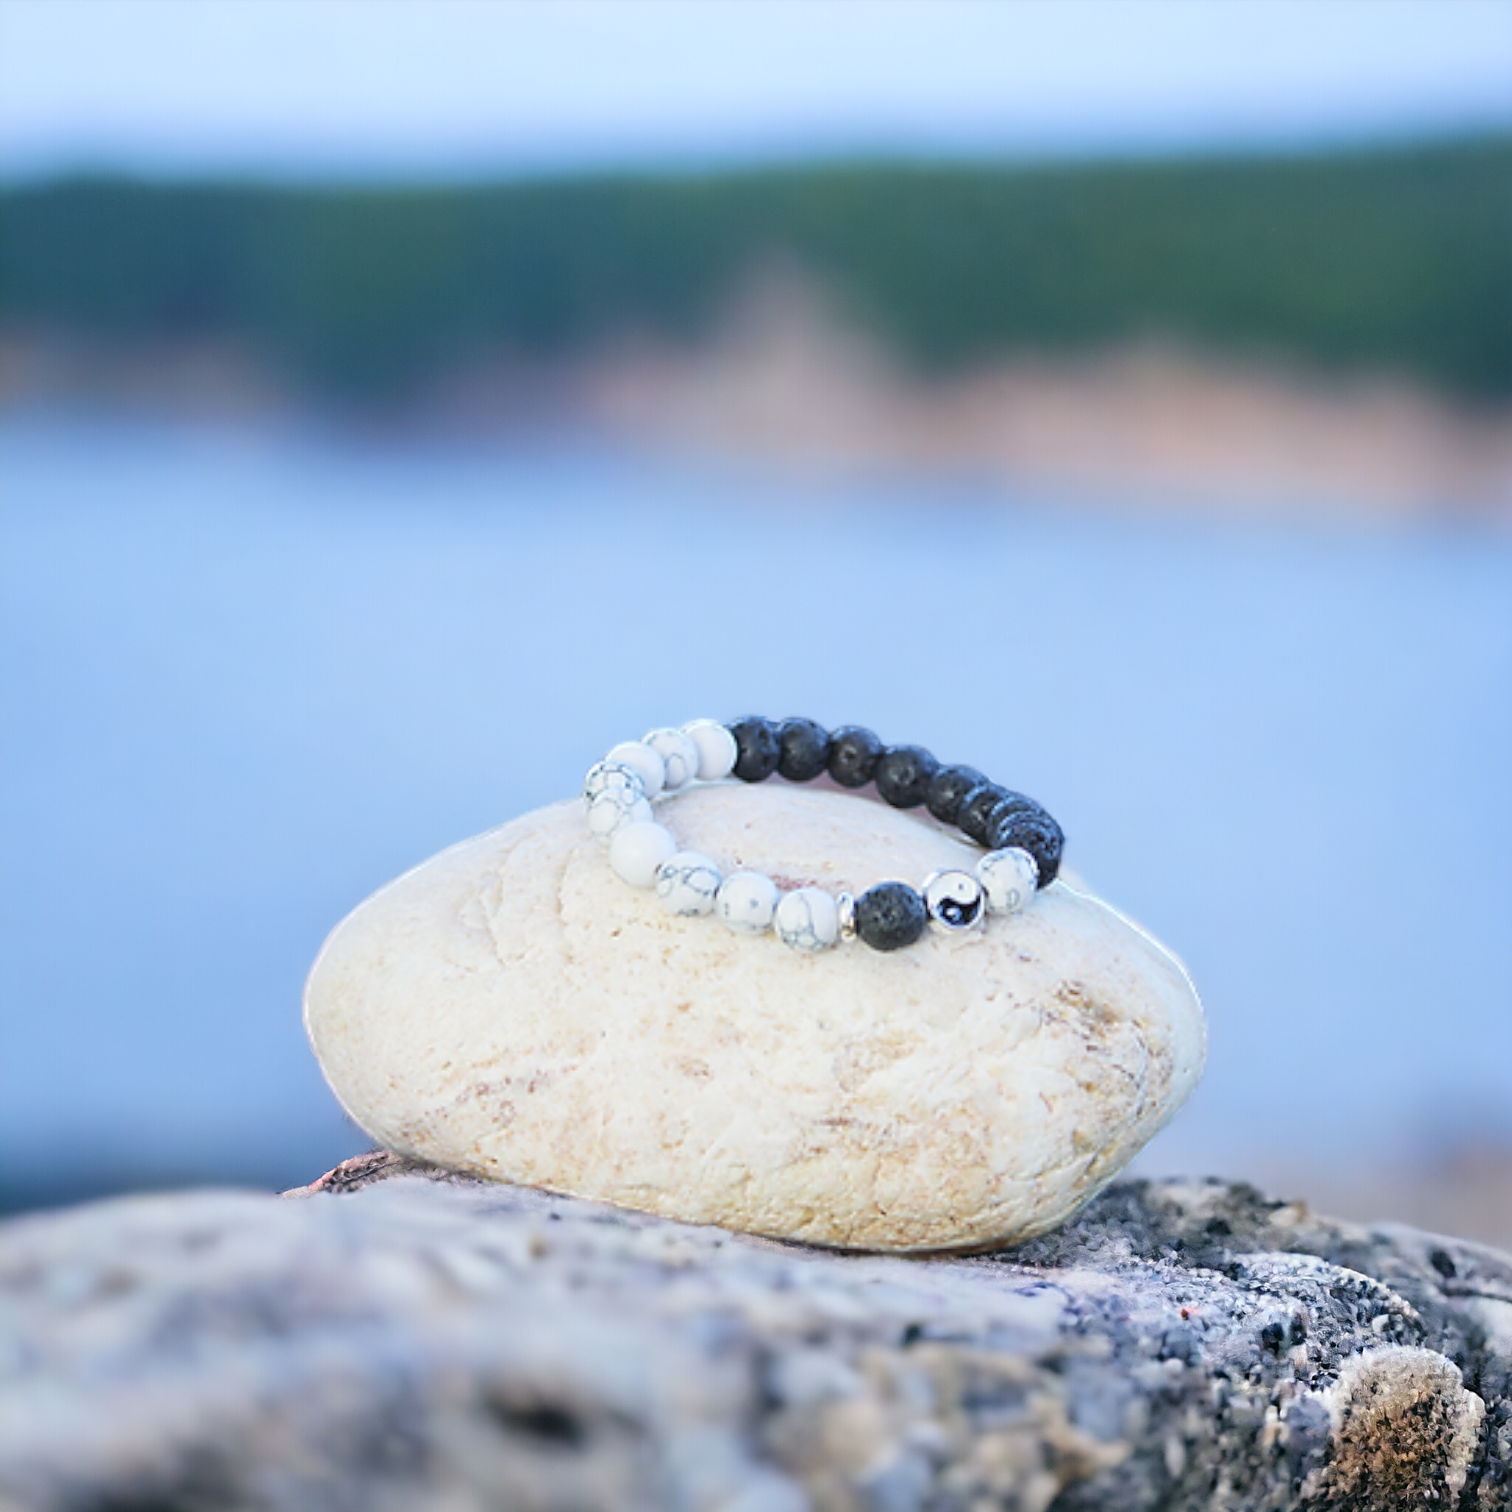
804,749
976,809
999,822
903,775
890,916
757,748
1035,831
853,756
948,788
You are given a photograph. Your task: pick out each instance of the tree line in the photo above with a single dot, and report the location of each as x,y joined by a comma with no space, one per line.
1391,259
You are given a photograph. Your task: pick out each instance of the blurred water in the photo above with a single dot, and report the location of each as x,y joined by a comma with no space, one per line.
249,677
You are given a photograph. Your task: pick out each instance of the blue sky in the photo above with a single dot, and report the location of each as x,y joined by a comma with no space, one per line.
375,87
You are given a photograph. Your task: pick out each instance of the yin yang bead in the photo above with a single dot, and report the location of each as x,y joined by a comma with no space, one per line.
1023,843
954,900
679,756
1009,879
686,884
747,902
637,851
808,920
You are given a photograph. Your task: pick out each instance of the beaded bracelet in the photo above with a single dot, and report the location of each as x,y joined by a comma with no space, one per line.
1023,842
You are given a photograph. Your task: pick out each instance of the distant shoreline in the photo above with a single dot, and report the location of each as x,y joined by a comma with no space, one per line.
1319,332
783,386
1151,423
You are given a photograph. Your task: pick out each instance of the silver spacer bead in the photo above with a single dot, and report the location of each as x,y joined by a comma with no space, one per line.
845,903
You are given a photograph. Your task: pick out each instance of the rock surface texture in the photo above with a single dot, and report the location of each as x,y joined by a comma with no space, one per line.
401,1340
511,1008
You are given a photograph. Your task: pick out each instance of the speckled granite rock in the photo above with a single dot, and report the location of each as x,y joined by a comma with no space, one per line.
387,1341
512,1009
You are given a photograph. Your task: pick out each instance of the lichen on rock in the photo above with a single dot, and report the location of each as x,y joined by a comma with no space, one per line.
400,1337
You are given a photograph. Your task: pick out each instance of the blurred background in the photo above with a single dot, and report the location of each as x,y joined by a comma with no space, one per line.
376,376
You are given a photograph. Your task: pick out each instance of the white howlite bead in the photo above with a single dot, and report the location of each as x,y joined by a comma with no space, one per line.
808,920
687,882
641,758
715,746
637,850
1009,878
747,901
678,753
612,777
614,808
